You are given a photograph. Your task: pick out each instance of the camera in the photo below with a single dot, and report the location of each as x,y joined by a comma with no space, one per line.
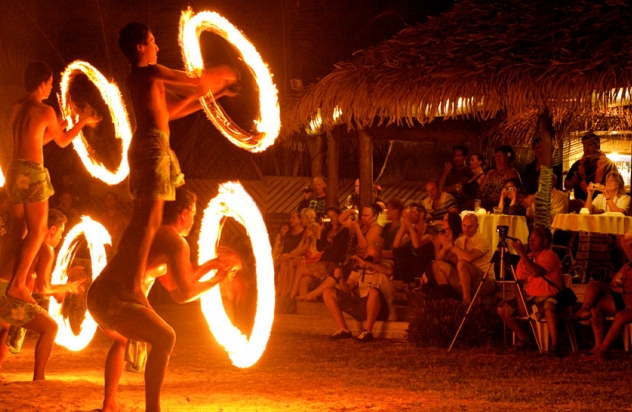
351,265
510,189
323,219
502,231
353,216
307,189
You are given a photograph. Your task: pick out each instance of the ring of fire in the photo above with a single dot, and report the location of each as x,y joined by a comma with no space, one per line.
233,201
123,130
96,236
269,124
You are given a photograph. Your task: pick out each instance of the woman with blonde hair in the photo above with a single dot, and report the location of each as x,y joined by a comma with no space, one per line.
613,197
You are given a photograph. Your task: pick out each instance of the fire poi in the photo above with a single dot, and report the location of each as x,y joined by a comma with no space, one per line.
112,96
233,201
97,237
269,123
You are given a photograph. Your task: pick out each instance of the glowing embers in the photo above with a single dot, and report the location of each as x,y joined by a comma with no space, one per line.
233,201
97,237
112,97
269,124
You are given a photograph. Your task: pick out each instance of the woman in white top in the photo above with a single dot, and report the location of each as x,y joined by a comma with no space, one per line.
613,198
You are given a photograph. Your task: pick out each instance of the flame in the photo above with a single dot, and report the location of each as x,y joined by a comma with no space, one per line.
233,201
1,178
269,123
97,236
113,99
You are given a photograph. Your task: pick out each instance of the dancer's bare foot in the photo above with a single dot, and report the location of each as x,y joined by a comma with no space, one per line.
596,356
22,294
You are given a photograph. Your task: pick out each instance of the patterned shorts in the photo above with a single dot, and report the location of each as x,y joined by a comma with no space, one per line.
14,311
28,182
154,169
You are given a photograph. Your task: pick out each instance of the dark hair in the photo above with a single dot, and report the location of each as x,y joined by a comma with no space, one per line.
454,221
419,207
56,218
516,183
543,232
535,141
35,74
172,209
508,151
462,148
592,137
131,36
481,158
395,204
375,208
334,209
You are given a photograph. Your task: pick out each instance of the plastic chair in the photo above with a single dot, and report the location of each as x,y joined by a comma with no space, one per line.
541,328
626,334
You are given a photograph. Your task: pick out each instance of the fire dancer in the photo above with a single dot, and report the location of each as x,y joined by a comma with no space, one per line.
168,260
34,124
32,316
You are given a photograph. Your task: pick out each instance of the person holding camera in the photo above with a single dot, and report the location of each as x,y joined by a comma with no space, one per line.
511,200
316,198
366,294
612,199
532,269
333,243
365,229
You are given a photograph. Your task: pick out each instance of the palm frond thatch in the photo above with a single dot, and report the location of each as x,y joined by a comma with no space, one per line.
495,55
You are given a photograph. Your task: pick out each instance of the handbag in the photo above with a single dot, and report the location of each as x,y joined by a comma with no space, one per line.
565,296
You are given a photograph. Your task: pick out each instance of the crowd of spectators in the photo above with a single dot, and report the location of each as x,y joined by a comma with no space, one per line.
435,246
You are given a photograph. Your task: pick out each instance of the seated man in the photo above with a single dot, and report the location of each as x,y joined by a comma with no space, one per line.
31,316
364,295
541,272
474,254
438,203
169,261
602,300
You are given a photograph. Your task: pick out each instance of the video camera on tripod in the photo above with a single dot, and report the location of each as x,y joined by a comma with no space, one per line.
502,233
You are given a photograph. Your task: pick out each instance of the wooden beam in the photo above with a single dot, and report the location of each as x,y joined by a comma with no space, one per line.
365,163
332,170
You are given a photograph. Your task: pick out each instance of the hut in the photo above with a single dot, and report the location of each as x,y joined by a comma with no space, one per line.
505,63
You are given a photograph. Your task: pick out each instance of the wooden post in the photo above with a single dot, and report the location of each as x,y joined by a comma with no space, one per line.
365,162
543,196
315,150
332,170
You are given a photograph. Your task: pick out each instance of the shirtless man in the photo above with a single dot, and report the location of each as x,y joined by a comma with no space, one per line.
169,261
34,124
154,169
31,316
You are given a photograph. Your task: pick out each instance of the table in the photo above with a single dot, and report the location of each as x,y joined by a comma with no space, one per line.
614,224
518,228
595,248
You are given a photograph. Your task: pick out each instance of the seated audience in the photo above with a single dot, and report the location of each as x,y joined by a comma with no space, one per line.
613,198
445,261
438,203
333,243
474,253
510,202
353,200
364,230
533,268
279,242
394,209
364,295
602,300
494,181
456,174
412,247
289,258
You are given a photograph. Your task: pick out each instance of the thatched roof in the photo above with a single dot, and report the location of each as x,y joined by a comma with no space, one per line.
501,56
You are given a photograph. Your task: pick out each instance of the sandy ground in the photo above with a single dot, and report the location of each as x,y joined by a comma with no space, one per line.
200,378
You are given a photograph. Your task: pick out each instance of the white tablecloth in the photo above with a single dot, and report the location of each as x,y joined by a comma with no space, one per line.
605,223
518,228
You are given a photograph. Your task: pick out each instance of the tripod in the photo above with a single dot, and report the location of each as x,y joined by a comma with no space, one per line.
501,249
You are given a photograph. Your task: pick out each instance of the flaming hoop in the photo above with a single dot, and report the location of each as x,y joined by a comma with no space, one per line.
97,236
112,96
1,178
269,124
233,201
